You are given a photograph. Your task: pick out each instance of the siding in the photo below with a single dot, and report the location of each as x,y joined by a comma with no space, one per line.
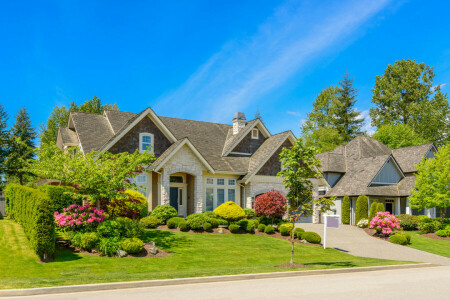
273,165
249,145
389,174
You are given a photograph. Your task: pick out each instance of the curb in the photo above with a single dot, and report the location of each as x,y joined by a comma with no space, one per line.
191,280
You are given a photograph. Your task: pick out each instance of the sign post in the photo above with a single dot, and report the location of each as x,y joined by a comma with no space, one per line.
331,221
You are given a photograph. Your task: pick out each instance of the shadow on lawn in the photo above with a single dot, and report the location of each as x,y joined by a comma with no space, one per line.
63,254
342,264
166,240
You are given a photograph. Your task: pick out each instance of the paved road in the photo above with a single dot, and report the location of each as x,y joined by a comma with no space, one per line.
356,242
421,283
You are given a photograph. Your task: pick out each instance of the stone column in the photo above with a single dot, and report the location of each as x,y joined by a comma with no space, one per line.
198,193
397,206
408,208
165,188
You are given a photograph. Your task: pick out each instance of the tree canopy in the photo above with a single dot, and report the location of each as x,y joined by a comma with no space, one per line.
4,142
398,135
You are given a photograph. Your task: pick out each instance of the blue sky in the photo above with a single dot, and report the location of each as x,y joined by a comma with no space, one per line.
205,60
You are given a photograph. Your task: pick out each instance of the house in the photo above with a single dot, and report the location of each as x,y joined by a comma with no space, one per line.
365,166
199,165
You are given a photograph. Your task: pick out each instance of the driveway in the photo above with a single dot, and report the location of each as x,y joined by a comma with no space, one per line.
355,241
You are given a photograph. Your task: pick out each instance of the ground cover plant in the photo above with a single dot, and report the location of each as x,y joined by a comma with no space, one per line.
191,255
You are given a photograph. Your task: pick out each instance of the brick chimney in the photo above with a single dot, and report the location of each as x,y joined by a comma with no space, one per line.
239,122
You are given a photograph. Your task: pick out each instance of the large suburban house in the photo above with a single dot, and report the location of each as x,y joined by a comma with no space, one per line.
365,166
199,164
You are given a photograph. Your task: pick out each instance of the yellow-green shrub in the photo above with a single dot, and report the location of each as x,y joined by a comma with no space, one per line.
133,205
230,211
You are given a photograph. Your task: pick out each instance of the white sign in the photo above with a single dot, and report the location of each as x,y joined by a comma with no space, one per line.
331,221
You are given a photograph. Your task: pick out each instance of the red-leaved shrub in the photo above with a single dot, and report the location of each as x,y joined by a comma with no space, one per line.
271,204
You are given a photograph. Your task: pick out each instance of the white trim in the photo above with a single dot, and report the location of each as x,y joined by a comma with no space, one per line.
255,136
228,182
193,149
148,112
261,127
152,142
241,153
398,168
290,136
230,173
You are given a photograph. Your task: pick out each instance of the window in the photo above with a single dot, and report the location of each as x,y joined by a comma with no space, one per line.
255,134
232,195
220,181
209,199
141,179
180,197
145,142
176,179
232,182
210,181
220,196
143,192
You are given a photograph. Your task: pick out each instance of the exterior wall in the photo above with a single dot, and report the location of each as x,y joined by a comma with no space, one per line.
155,190
190,180
249,145
260,185
184,161
130,142
273,165
389,174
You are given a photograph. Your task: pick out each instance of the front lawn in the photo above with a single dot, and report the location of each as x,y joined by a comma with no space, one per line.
192,254
435,246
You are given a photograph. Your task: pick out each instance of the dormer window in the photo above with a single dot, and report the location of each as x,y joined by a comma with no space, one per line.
255,134
145,142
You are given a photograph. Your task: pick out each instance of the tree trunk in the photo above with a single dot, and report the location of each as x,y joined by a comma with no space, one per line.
292,242
21,178
443,211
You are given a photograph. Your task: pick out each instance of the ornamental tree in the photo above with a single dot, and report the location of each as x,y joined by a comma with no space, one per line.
95,176
271,204
432,182
385,223
299,166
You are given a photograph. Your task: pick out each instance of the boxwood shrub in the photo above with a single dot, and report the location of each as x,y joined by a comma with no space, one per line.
32,209
89,240
443,233
60,196
132,245
311,237
207,227
172,223
399,239
150,222
183,225
261,227
164,212
234,228
269,230
298,233
429,225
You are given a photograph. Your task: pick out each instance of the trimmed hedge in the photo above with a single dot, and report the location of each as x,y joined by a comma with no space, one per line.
269,230
172,223
60,196
311,237
346,210
31,208
261,227
361,208
373,211
399,239
298,232
164,212
234,228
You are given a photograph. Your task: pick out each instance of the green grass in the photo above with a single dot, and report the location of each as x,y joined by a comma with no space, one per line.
439,247
191,255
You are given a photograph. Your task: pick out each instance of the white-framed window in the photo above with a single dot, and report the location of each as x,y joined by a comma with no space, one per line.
255,134
220,197
209,199
146,142
232,182
209,181
232,195
143,192
141,179
220,181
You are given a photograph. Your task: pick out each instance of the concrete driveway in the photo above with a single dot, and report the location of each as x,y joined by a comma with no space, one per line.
355,241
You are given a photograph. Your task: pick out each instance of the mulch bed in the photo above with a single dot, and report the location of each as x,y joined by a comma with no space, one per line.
435,236
373,233
276,234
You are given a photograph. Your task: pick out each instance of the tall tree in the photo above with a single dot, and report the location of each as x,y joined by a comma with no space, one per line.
4,139
258,114
345,117
432,182
398,136
405,94
60,116
21,145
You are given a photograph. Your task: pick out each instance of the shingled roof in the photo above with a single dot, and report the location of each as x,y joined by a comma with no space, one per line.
362,158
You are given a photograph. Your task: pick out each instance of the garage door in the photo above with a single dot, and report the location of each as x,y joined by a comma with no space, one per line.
306,220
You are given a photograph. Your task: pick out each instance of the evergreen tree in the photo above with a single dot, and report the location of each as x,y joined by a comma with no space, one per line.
4,139
21,146
345,118
258,114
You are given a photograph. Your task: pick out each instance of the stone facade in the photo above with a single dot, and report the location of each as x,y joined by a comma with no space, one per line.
254,189
184,161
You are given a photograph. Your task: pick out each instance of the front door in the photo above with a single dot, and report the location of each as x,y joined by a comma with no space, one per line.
174,197
389,207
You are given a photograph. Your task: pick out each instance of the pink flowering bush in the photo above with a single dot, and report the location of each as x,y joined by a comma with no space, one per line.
385,223
76,217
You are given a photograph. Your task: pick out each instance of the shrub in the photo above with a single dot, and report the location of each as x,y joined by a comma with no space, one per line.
363,223
214,222
298,232
183,225
150,222
429,225
110,228
399,239
271,204
207,227
172,223
346,210
361,208
196,221
32,210
442,233
385,223
60,196
408,222
284,231
249,225
229,211
109,246
249,213
132,245
373,210
261,227
164,212
234,228
422,217
131,228
131,204
77,217
89,240
269,230
311,237
75,239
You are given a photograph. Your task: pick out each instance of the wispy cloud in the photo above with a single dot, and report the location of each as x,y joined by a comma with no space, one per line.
294,113
244,71
367,127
